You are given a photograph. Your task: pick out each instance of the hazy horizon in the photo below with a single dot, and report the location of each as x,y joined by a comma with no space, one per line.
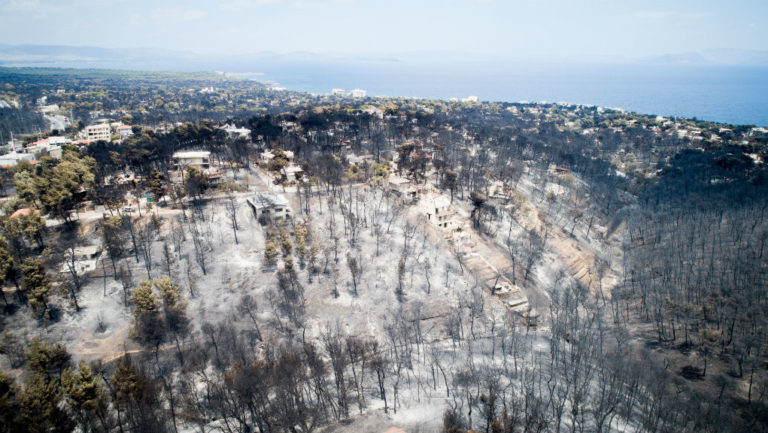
531,30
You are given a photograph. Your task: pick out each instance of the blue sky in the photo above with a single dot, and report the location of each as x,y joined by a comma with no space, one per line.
527,29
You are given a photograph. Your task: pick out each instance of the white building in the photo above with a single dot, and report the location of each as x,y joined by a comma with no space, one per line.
125,131
50,145
375,112
195,158
234,132
338,92
84,259
402,187
58,140
353,159
438,210
267,155
98,132
357,93
292,172
45,109
269,207
11,159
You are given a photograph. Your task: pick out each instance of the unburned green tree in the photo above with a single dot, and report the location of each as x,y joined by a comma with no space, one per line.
41,409
23,233
26,189
270,253
36,286
47,359
7,267
148,326
86,398
157,184
174,307
195,181
136,398
10,412
65,182
41,399
158,314
279,162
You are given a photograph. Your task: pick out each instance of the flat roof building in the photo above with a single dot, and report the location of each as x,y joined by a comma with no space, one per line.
12,159
269,207
83,259
125,131
196,158
99,132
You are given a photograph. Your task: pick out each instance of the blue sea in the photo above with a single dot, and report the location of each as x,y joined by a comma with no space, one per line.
737,95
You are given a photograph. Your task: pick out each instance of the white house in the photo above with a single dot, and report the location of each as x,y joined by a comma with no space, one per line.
196,158
402,187
125,131
267,155
353,159
49,145
45,109
269,207
292,172
84,259
375,112
11,159
438,210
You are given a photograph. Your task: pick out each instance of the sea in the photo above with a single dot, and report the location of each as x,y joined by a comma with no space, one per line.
726,94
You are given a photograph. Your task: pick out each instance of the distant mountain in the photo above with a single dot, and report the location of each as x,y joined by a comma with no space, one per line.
154,59
737,57
95,57
142,58
714,57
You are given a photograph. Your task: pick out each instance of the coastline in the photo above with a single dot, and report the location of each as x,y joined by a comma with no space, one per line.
732,95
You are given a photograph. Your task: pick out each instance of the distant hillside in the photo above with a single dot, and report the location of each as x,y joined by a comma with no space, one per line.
142,58
147,58
714,57
93,57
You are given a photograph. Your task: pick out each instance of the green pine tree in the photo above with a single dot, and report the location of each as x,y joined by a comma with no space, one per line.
36,285
86,397
10,412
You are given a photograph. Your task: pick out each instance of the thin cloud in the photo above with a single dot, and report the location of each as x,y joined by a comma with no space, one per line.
21,5
177,14
29,8
137,20
240,5
670,15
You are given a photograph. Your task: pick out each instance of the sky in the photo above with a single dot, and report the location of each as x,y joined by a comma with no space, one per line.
527,29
